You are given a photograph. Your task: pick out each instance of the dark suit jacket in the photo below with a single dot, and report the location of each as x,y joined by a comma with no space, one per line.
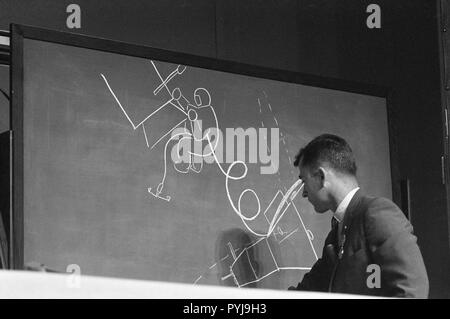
376,232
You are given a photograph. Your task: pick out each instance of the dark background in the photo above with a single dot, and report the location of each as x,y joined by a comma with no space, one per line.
320,37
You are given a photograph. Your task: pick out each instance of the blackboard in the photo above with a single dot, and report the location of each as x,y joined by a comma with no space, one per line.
102,191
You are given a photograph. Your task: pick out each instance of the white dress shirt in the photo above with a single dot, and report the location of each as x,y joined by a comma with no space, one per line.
340,211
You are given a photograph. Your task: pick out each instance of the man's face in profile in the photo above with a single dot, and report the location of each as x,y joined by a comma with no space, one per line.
313,188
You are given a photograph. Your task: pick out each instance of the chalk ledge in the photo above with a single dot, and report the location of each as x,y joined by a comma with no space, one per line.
37,285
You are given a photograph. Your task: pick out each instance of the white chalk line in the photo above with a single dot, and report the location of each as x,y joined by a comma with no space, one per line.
214,265
271,253
168,132
226,277
178,107
153,113
295,268
305,229
123,109
117,100
160,77
145,135
230,246
195,282
288,236
251,266
167,80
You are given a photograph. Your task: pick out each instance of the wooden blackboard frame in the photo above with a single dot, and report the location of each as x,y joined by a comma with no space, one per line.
21,32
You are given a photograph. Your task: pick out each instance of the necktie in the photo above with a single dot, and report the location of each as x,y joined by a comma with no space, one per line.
334,223
335,229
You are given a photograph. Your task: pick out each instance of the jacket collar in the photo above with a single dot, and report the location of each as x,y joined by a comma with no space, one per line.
352,208
343,205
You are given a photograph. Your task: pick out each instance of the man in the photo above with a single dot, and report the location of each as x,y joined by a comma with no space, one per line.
371,248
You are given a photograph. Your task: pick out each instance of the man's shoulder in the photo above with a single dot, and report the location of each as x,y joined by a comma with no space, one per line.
383,215
370,203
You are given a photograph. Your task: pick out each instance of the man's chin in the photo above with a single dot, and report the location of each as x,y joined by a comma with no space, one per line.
320,211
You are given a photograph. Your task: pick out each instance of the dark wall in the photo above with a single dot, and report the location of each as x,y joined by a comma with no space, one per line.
322,37
4,192
4,102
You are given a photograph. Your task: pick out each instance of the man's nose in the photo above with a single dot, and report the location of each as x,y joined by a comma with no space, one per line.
305,193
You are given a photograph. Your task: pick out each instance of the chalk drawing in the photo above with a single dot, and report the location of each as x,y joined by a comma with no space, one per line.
283,201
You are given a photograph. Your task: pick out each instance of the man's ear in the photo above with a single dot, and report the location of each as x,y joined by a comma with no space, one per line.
321,176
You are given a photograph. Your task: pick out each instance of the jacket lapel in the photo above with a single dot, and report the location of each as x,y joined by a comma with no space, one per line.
352,209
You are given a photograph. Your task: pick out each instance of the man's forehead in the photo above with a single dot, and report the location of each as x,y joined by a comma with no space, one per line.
305,171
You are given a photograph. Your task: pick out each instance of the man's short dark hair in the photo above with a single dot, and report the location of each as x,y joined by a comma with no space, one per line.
327,148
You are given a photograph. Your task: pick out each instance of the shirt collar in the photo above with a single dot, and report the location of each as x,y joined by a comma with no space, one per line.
340,211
